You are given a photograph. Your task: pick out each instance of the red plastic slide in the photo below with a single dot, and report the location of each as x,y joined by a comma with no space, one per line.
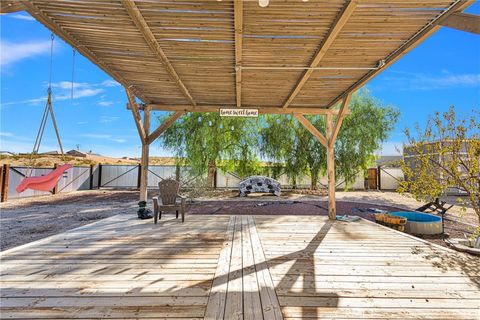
43,183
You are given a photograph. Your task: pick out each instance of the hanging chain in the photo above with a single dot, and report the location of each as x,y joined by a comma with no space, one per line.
73,70
52,37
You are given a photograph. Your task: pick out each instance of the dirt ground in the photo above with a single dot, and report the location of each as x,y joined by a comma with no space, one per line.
29,219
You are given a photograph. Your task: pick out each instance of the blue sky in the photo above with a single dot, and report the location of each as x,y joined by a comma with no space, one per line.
442,71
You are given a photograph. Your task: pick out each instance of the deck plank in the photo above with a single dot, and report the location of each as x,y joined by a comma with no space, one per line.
216,302
237,267
252,307
362,270
234,299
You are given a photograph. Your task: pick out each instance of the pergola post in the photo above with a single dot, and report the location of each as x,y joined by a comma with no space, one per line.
145,156
146,137
332,206
328,141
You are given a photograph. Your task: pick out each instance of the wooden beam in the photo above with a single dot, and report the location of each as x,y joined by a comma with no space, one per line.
464,22
337,26
136,115
261,110
145,155
10,6
310,127
340,116
238,22
415,40
152,42
332,206
164,126
71,40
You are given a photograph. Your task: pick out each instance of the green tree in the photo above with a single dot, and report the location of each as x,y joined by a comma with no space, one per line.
363,131
206,141
445,154
281,141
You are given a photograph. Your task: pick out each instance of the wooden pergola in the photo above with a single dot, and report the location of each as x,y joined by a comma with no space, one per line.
291,57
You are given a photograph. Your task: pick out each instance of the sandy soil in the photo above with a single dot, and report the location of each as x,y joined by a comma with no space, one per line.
29,219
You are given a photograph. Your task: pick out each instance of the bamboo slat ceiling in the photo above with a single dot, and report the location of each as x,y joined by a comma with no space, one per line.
199,55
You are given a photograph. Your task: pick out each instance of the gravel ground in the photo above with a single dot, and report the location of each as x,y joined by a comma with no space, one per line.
29,219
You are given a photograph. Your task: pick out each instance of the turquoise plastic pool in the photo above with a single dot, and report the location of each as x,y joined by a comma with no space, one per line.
420,222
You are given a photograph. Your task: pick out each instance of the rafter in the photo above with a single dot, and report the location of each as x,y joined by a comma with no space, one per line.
337,26
416,39
152,42
261,110
464,22
136,115
164,126
10,6
238,18
340,116
35,12
310,127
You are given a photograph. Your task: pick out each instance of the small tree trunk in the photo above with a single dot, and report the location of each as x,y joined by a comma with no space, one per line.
294,182
212,170
177,172
313,180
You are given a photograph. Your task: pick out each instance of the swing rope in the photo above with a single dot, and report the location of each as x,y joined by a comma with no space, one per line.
73,70
48,110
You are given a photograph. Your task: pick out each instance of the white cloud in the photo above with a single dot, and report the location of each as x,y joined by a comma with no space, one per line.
105,103
14,52
21,17
100,136
79,93
420,81
82,122
96,136
62,90
67,85
6,134
34,101
110,83
106,119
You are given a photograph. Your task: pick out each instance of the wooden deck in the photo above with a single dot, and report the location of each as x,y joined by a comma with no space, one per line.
237,267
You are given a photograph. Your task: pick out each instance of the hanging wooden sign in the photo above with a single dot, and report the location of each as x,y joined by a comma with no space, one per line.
237,112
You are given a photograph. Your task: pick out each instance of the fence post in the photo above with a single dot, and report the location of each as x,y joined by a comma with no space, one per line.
139,178
55,189
4,186
92,167
379,177
1,179
99,176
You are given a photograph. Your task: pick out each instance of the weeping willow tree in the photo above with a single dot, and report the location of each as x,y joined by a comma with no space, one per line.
206,141
285,140
369,124
362,134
